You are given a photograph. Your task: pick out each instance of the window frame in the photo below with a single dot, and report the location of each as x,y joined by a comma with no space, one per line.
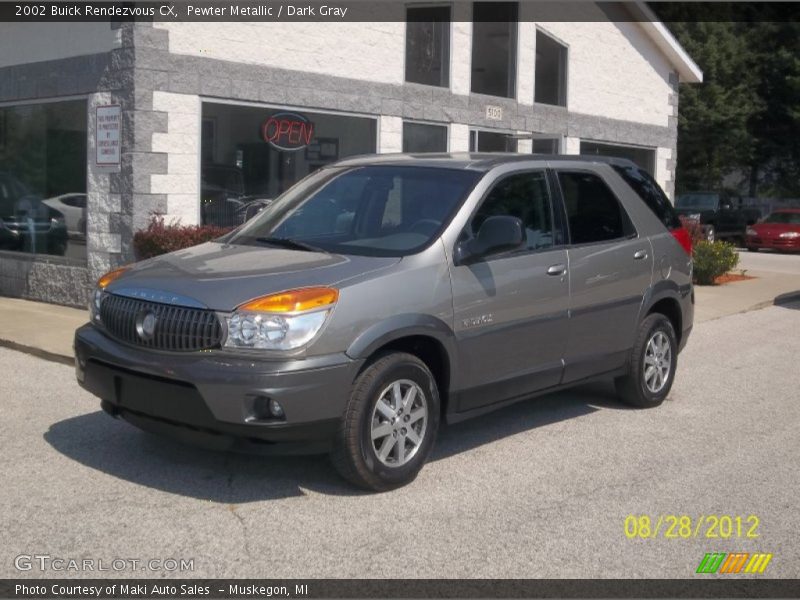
559,233
564,91
565,215
447,62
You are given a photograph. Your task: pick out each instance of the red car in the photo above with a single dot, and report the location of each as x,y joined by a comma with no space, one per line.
780,230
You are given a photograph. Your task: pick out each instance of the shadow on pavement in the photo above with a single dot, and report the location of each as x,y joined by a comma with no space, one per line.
120,450
788,300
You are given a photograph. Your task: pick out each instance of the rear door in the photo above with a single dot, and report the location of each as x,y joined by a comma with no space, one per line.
610,272
511,309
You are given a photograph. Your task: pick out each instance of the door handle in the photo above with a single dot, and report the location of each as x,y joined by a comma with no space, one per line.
556,270
640,255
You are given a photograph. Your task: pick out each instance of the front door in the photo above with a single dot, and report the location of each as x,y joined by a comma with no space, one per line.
511,309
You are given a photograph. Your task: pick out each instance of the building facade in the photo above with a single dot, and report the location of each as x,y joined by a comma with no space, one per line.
103,125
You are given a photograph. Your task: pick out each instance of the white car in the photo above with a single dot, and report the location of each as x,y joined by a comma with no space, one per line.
73,207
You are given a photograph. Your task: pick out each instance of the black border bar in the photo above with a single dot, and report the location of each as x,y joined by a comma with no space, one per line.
702,587
376,11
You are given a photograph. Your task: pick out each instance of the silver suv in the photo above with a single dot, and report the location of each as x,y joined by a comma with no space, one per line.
382,295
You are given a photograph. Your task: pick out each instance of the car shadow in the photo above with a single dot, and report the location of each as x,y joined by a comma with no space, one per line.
114,447
789,300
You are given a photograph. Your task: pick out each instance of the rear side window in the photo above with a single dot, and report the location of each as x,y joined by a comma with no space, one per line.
652,195
593,211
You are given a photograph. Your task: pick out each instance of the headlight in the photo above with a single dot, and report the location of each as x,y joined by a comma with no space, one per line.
788,235
750,231
280,321
99,293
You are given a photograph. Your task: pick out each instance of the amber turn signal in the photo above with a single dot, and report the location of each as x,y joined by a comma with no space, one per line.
293,300
110,276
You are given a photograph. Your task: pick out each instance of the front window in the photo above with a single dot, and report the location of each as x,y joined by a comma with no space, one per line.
494,48
372,210
698,201
43,178
785,218
428,45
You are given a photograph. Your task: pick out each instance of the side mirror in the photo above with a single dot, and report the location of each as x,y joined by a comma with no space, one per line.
497,234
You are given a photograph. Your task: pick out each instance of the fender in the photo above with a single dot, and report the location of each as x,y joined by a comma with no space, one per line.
400,326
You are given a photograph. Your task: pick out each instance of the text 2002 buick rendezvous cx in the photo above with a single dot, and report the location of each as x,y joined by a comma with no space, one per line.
382,295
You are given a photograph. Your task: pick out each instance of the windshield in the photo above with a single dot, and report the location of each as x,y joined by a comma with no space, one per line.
702,201
372,211
790,218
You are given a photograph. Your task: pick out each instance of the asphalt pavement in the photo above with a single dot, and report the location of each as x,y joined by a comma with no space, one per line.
540,489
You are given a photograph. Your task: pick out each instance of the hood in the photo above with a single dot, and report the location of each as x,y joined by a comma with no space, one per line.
222,276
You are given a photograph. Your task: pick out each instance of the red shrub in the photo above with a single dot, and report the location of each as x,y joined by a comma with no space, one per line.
160,238
694,228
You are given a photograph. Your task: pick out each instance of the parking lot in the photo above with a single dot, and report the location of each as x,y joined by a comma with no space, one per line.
540,489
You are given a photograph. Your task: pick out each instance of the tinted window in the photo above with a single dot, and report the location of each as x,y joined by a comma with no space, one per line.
649,191
494,48
373,211
593,212
551,71
700,200
491,141
526,197
420,137
428,45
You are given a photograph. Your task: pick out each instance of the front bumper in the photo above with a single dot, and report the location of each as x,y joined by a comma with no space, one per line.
211,398
787,244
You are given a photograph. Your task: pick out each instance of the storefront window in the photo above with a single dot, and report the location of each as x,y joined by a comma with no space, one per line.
43,178
491,141
253,154
422,137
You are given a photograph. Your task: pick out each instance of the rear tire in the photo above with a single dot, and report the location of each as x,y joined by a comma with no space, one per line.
390,424
652,364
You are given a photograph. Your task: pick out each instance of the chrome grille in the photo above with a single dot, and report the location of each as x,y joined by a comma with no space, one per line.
177,328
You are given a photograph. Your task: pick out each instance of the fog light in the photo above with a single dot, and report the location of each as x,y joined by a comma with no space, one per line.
266,408
275,408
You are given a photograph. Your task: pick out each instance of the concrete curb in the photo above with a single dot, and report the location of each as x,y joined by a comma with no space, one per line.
38,352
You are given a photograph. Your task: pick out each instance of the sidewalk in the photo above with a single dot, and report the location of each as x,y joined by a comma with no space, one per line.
46,330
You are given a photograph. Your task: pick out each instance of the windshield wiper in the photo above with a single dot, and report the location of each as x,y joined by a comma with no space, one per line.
290,244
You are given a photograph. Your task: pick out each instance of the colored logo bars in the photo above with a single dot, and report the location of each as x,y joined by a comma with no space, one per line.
736,562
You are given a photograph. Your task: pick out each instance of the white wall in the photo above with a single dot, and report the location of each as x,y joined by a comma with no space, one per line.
614,71
35,42
367,51
181,143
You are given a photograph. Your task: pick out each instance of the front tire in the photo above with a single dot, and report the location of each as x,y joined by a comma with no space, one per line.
390,424
711,234
652,364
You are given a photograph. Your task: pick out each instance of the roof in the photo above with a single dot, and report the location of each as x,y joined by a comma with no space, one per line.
687,69
474,161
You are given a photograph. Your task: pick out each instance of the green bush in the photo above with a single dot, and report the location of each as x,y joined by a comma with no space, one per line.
712,259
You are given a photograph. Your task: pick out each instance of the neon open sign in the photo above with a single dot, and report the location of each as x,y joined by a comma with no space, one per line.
288,131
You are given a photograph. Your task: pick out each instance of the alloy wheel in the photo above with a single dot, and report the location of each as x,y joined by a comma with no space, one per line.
398,424
657,362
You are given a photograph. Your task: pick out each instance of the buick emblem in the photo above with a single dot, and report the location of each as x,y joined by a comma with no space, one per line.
146,325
